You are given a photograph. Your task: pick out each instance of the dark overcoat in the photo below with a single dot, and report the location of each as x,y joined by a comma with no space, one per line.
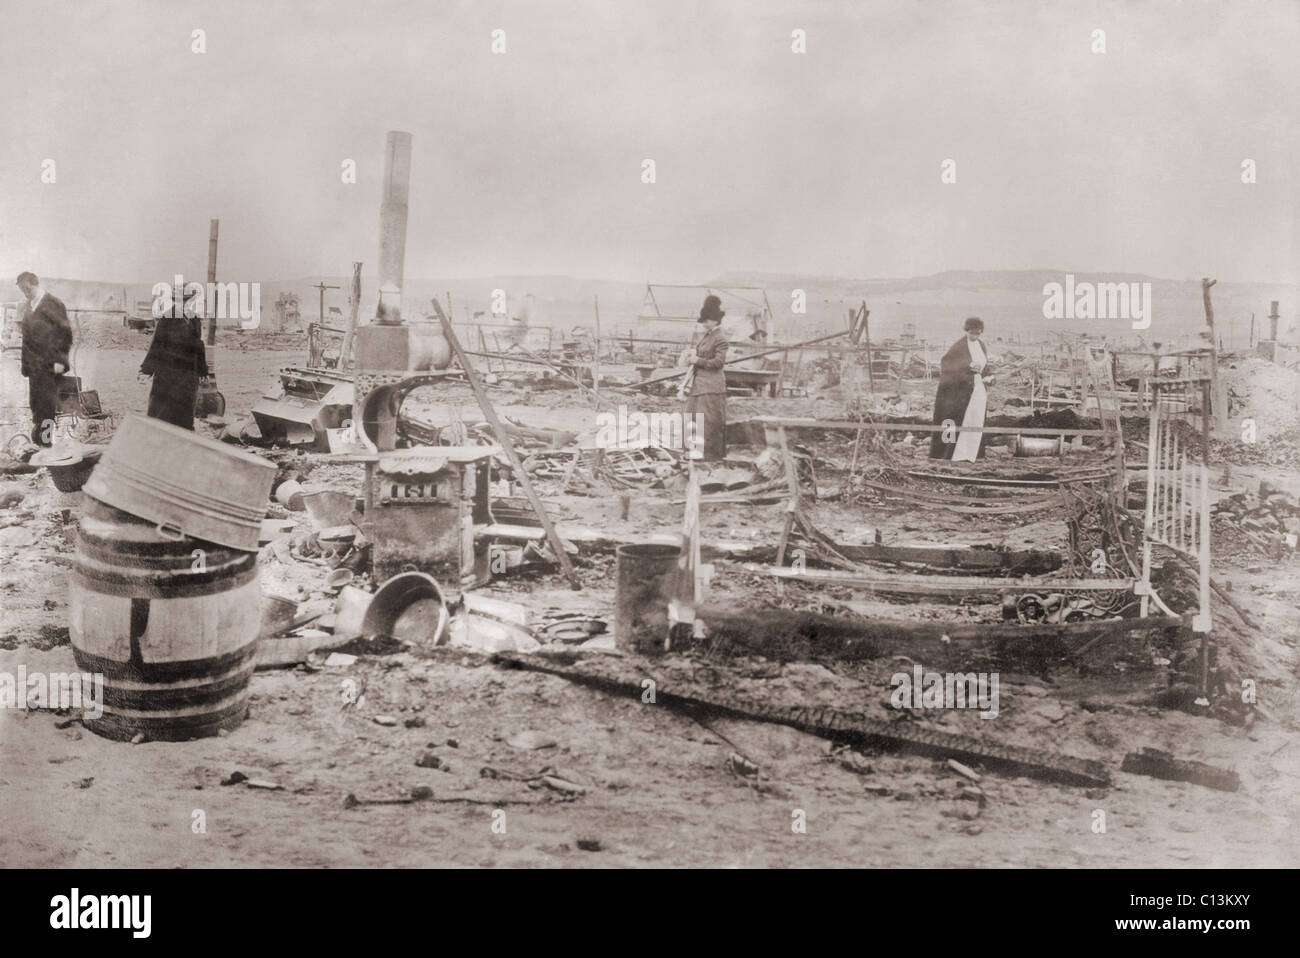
47,337
956,383
708,394
177,362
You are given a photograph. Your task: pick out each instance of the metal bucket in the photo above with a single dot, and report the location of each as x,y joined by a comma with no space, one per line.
174,637
337,579
350,611
70,464
645,577
328,507
278,614
409,607
184,483
1039,446
289,494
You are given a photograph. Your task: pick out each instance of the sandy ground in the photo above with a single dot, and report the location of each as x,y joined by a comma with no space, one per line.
659,788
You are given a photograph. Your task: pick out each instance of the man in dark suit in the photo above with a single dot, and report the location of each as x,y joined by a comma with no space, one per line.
47,338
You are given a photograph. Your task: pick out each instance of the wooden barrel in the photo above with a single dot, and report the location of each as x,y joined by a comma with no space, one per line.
170,622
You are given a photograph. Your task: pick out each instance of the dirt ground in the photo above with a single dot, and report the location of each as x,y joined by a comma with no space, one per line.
658,788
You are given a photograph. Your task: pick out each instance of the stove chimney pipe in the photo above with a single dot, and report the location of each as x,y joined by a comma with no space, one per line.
392,226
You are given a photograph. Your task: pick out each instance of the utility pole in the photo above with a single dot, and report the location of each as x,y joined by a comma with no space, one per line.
213,228
322,287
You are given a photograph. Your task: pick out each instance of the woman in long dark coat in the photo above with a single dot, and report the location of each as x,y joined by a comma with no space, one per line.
177,362
707,388
961,398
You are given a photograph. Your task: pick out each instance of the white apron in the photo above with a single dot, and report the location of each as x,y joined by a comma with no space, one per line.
968,443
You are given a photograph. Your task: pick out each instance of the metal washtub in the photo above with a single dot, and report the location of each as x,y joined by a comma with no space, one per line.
211,492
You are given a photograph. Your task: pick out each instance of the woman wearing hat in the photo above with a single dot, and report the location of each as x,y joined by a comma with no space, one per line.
707,403
176,361
962,398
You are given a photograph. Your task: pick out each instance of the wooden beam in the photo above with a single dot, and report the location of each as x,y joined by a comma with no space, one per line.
1009,481
940,585
789,634
851,426
503,437
940,557
345,351
739,359
1218,397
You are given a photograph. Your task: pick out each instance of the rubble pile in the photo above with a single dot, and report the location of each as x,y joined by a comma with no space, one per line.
1267,393
1269,519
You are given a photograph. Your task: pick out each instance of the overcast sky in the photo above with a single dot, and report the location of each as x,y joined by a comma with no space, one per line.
530,162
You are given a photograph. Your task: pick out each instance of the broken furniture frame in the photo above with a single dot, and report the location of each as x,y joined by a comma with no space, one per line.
1177,514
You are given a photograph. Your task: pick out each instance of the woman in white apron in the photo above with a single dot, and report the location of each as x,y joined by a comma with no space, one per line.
962,397
968,442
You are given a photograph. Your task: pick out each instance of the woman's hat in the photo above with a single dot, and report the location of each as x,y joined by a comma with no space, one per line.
712,309
973,323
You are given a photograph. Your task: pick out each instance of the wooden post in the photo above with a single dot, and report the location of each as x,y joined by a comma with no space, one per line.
681,612
595,361
214,227
345,351
792,507
485,405
1218,398
866,335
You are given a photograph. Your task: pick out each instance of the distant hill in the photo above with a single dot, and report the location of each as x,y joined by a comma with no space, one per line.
1010,302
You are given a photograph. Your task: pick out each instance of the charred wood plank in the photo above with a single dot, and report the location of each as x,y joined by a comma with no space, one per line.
795,635
625,677
1159,764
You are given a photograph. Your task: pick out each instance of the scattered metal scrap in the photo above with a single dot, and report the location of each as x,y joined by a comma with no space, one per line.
831,723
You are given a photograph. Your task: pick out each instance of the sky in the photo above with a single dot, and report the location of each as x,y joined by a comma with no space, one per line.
529,162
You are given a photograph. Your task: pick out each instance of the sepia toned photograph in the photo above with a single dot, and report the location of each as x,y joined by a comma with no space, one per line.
689,434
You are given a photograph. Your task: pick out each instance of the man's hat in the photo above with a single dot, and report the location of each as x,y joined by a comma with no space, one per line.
712,309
